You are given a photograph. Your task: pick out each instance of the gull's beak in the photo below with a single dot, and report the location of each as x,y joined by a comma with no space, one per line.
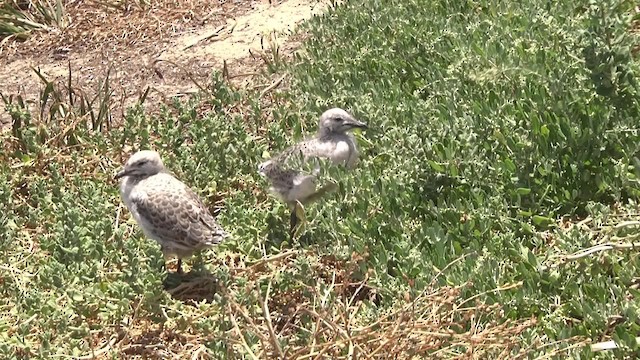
354,123
120,174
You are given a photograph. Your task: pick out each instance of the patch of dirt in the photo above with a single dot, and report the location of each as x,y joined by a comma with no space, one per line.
144,339
171,47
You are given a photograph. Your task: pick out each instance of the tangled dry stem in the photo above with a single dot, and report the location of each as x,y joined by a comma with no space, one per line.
332,323
618,233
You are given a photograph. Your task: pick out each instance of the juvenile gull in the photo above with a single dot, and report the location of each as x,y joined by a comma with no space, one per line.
165,208
333,141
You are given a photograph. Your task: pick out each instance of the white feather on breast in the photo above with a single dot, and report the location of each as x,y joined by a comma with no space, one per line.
341,153
131,192
126,191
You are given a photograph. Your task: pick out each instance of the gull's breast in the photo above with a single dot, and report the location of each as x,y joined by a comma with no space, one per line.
341,152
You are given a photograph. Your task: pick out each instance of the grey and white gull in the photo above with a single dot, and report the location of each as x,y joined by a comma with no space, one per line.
166,209
333,141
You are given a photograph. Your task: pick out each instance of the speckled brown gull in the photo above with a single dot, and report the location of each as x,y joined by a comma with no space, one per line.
165,208
333,141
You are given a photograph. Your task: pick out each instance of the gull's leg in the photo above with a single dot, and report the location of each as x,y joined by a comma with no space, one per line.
180,266
164,267
298,219
293,222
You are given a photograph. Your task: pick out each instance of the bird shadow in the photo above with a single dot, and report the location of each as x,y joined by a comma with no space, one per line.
193,287
278,232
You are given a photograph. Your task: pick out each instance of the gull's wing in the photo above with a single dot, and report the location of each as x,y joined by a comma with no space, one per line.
304,157
307,149
177,214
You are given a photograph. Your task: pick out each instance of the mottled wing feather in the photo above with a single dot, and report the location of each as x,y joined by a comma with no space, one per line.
178,216
282,180
310,148
201,214
302,157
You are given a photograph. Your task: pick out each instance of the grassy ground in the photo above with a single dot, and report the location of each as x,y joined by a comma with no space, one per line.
504,140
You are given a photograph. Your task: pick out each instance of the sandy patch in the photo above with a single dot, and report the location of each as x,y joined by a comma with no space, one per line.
168,57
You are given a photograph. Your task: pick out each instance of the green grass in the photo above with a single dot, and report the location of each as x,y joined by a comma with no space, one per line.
495,128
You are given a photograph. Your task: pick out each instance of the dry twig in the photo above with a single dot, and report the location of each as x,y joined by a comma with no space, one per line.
265,312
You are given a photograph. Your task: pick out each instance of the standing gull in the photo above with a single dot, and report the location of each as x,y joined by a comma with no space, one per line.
165,208
333,141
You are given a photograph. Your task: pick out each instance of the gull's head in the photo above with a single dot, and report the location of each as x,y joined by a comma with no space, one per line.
142,164
338,121
265,167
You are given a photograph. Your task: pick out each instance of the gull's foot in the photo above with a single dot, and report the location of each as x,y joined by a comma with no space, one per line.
298,220
293,224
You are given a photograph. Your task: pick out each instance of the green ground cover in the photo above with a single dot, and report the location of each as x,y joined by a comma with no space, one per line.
503,138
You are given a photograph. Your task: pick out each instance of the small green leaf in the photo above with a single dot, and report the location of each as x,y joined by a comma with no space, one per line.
509,164
523,191
436,166
539,220
544,130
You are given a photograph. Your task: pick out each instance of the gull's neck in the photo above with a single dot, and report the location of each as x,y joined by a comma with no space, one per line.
325,134
134,179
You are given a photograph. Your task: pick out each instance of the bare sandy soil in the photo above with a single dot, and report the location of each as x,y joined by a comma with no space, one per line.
170,47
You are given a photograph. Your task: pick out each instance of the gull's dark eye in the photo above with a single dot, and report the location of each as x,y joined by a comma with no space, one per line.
339,119
142,162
